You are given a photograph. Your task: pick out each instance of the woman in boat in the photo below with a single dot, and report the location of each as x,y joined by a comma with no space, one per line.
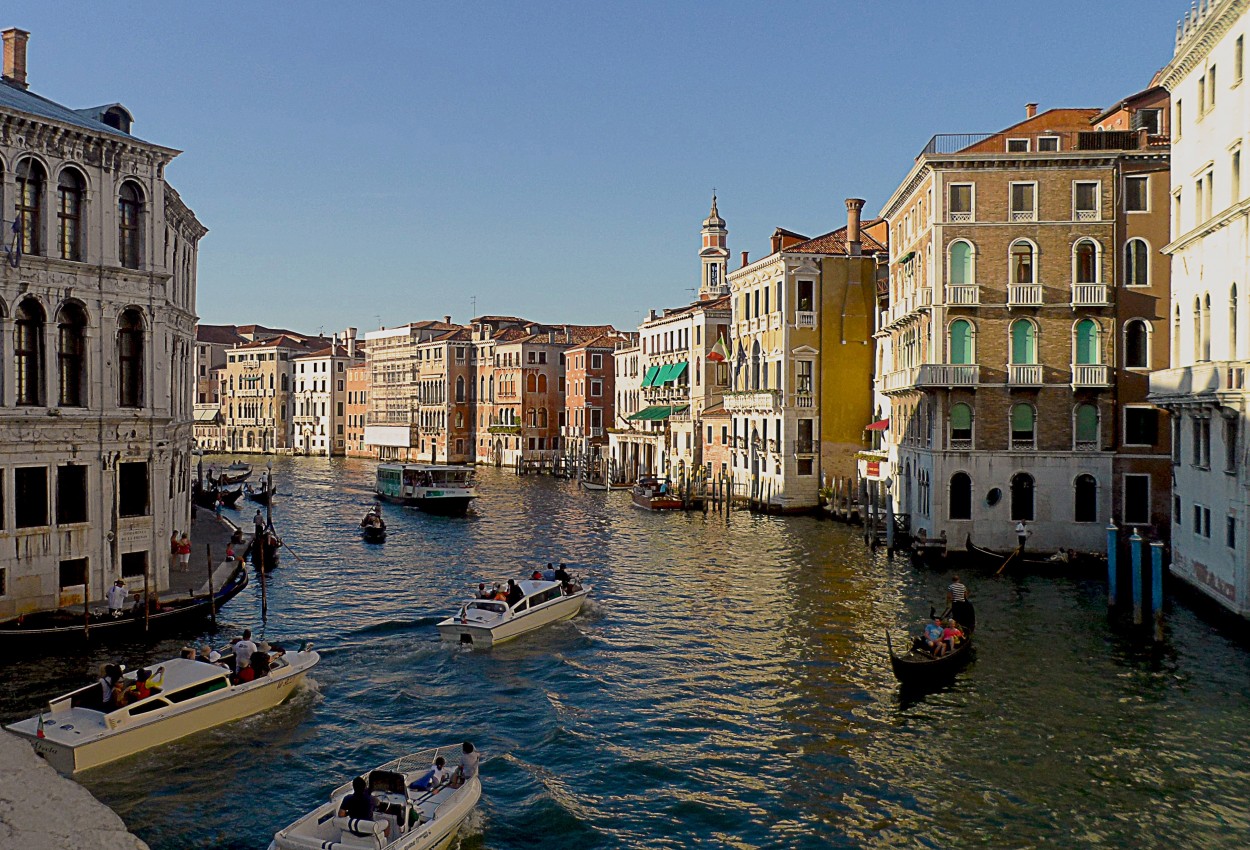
951,636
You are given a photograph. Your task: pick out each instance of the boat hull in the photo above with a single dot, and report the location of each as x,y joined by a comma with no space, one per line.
373,535
244,701
658,503
916,670
444,505
15,639
452,629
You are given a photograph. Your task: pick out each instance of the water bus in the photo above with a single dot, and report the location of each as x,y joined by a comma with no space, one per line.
435,489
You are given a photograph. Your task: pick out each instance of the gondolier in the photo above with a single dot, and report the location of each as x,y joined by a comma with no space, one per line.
957,601
1022,534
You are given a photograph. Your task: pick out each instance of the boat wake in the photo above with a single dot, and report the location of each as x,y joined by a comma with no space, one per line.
387,627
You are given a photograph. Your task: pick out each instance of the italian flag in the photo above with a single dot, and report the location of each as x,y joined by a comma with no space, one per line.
718,353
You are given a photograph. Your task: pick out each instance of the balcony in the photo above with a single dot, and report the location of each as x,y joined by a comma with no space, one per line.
766,400
1089,376
1085,446
806,447
1024,375
963,295
1023,445
1037,142
1090,295
960,217
804,399
1023,215
1087,215
504,429
960,444
1024,295
804,319
1218,381
948,375
897,381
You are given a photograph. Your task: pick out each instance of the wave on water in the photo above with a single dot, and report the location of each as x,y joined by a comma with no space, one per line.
391,626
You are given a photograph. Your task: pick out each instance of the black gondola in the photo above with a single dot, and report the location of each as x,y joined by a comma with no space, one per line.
34,631
987,559
373,527
259,496
920,667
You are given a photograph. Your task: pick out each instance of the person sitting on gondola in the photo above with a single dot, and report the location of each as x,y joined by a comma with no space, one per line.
933,636
951,636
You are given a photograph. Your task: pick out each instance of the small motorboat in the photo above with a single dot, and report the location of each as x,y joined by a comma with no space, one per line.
486,622
74,733
373,527
405,818
919,667
36,632
656,494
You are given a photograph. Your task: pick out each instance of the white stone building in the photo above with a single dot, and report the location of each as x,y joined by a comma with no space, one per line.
97,315
318,419
1206,389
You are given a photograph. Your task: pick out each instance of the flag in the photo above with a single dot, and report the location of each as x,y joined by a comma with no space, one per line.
718,354
14,249
39,731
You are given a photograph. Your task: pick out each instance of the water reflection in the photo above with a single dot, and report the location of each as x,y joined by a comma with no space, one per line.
727,685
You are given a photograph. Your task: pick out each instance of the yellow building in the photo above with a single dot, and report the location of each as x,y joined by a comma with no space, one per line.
802,361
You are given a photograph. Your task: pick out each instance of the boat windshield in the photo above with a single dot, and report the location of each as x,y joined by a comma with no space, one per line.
487,605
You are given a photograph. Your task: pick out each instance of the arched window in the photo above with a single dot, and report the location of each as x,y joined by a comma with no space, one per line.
1023,265
961,426
1136,263
1085,499
69,194
1023,342
961,272
28,353
1085,262
1022,497
1176,334
70,352
756,355
1023,426
130,359
1085,426
961,496
542,383
460,388
1232,322
1086,333
284,383
542,417
30,181
1206,327
961,342
1197,329
129,225
531,383
1136,344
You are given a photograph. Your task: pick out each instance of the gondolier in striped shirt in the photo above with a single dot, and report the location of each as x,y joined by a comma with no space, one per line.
960,607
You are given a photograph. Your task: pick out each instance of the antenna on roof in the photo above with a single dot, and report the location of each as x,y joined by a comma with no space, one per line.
473,306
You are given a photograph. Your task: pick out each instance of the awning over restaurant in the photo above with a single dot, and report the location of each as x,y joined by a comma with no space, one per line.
657,412
880,425
652,372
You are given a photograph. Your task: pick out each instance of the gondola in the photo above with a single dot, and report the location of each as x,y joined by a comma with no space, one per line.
987,559
259,496
918,667
373,527
35,631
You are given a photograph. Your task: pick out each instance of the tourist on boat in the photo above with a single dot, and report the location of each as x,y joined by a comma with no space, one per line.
537,575
561,575
515,594
469,760
433,778
110,677
243,649
187,653
117,598
121,694
483,593
933,635
360,803
146,684
500,595
951,635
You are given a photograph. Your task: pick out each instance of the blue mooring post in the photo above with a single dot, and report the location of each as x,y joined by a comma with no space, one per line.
1112,553
1156,589
1135,547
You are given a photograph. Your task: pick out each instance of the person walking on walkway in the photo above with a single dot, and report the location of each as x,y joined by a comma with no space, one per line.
184,552
117,598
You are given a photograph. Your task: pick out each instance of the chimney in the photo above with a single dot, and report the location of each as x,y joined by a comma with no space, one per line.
15,56
1030,110
447,320
746,258
350,334
776,243
853,243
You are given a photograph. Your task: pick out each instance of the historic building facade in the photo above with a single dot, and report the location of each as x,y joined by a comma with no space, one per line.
97,317
357,407
1024,308
802,361
1205,389
319,400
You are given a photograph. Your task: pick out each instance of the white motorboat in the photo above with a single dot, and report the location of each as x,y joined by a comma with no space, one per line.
405,818
486,622
74,734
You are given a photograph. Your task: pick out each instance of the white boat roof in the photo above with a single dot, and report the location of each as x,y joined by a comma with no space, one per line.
428,467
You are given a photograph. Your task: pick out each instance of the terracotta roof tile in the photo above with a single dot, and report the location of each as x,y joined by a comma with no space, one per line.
835,242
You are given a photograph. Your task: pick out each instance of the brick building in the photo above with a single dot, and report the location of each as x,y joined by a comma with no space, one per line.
356,408
1025,295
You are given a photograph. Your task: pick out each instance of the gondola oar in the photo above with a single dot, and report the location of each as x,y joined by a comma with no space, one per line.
282,542
1007,561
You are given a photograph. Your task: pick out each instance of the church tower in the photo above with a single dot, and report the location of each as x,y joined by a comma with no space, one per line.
715,256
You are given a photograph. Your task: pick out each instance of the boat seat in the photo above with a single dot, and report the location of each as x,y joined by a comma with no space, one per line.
354,832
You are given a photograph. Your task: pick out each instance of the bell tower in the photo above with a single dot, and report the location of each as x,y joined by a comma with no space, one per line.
715,256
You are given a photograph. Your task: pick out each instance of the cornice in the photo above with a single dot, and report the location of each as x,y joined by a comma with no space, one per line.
1191,48
1238,210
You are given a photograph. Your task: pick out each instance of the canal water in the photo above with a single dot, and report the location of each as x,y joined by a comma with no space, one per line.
727,686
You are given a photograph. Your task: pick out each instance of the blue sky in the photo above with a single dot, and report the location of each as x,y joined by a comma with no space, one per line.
376,163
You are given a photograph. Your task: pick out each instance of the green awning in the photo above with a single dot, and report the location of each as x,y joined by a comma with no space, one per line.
652,371
656,413
677,371
662,378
